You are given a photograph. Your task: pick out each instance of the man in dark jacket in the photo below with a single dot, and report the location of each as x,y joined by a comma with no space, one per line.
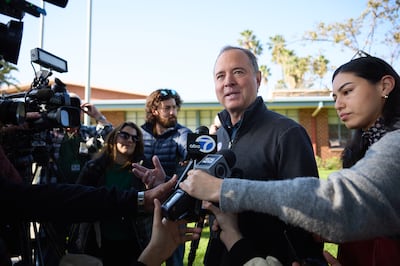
162,134
280,149
165,137
267,146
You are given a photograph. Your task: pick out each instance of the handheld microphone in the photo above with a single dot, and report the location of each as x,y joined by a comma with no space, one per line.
181,205
200,143
219,167
219,164
202,130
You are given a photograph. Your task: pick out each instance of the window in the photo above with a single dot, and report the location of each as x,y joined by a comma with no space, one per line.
338,133
291,113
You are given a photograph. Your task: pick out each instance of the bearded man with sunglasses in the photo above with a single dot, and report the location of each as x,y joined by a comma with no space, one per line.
165,137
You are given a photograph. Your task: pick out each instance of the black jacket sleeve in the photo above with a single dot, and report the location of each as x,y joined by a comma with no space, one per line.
67,202
241,252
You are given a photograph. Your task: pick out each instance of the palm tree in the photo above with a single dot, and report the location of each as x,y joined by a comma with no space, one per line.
5,74
250,42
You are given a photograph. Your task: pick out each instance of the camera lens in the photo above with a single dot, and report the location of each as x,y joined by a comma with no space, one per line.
12,112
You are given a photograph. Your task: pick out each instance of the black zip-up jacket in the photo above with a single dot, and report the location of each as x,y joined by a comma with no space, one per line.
269,146
170,147
63,202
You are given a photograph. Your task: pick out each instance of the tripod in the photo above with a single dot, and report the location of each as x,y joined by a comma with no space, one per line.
31,234
48,247
195,243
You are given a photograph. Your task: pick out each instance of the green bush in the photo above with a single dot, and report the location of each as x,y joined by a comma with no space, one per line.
332,163
319,161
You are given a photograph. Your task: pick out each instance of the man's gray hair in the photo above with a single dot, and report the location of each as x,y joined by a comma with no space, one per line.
250,55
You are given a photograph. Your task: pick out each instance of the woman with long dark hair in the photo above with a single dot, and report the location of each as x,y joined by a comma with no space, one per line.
123,238
367,98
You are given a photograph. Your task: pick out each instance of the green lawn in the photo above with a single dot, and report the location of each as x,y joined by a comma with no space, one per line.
332,248
201,250
324,173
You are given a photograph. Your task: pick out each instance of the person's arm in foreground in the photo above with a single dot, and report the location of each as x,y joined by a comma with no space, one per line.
74,202
356,203
240,250
166,237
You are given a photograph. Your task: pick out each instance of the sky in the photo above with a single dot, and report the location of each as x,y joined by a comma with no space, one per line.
140,46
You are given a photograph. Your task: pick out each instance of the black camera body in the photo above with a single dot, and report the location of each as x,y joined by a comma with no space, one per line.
181,205
53,103
51,107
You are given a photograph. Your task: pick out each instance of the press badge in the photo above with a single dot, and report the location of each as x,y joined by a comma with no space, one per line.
75,167
83,149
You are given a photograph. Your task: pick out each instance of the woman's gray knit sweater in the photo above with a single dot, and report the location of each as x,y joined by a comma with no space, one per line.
356,203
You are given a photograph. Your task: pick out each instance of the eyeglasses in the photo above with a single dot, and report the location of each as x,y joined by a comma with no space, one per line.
359,54
168,109
167,92
127,136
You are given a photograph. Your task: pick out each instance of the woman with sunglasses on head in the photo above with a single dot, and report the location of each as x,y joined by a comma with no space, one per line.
122,238
358,203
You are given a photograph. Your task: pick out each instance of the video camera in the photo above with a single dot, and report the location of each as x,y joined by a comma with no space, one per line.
51,107
52,103
181,205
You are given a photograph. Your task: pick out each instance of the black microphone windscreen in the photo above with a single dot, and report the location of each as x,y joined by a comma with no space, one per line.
43,94
202,130
229,156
